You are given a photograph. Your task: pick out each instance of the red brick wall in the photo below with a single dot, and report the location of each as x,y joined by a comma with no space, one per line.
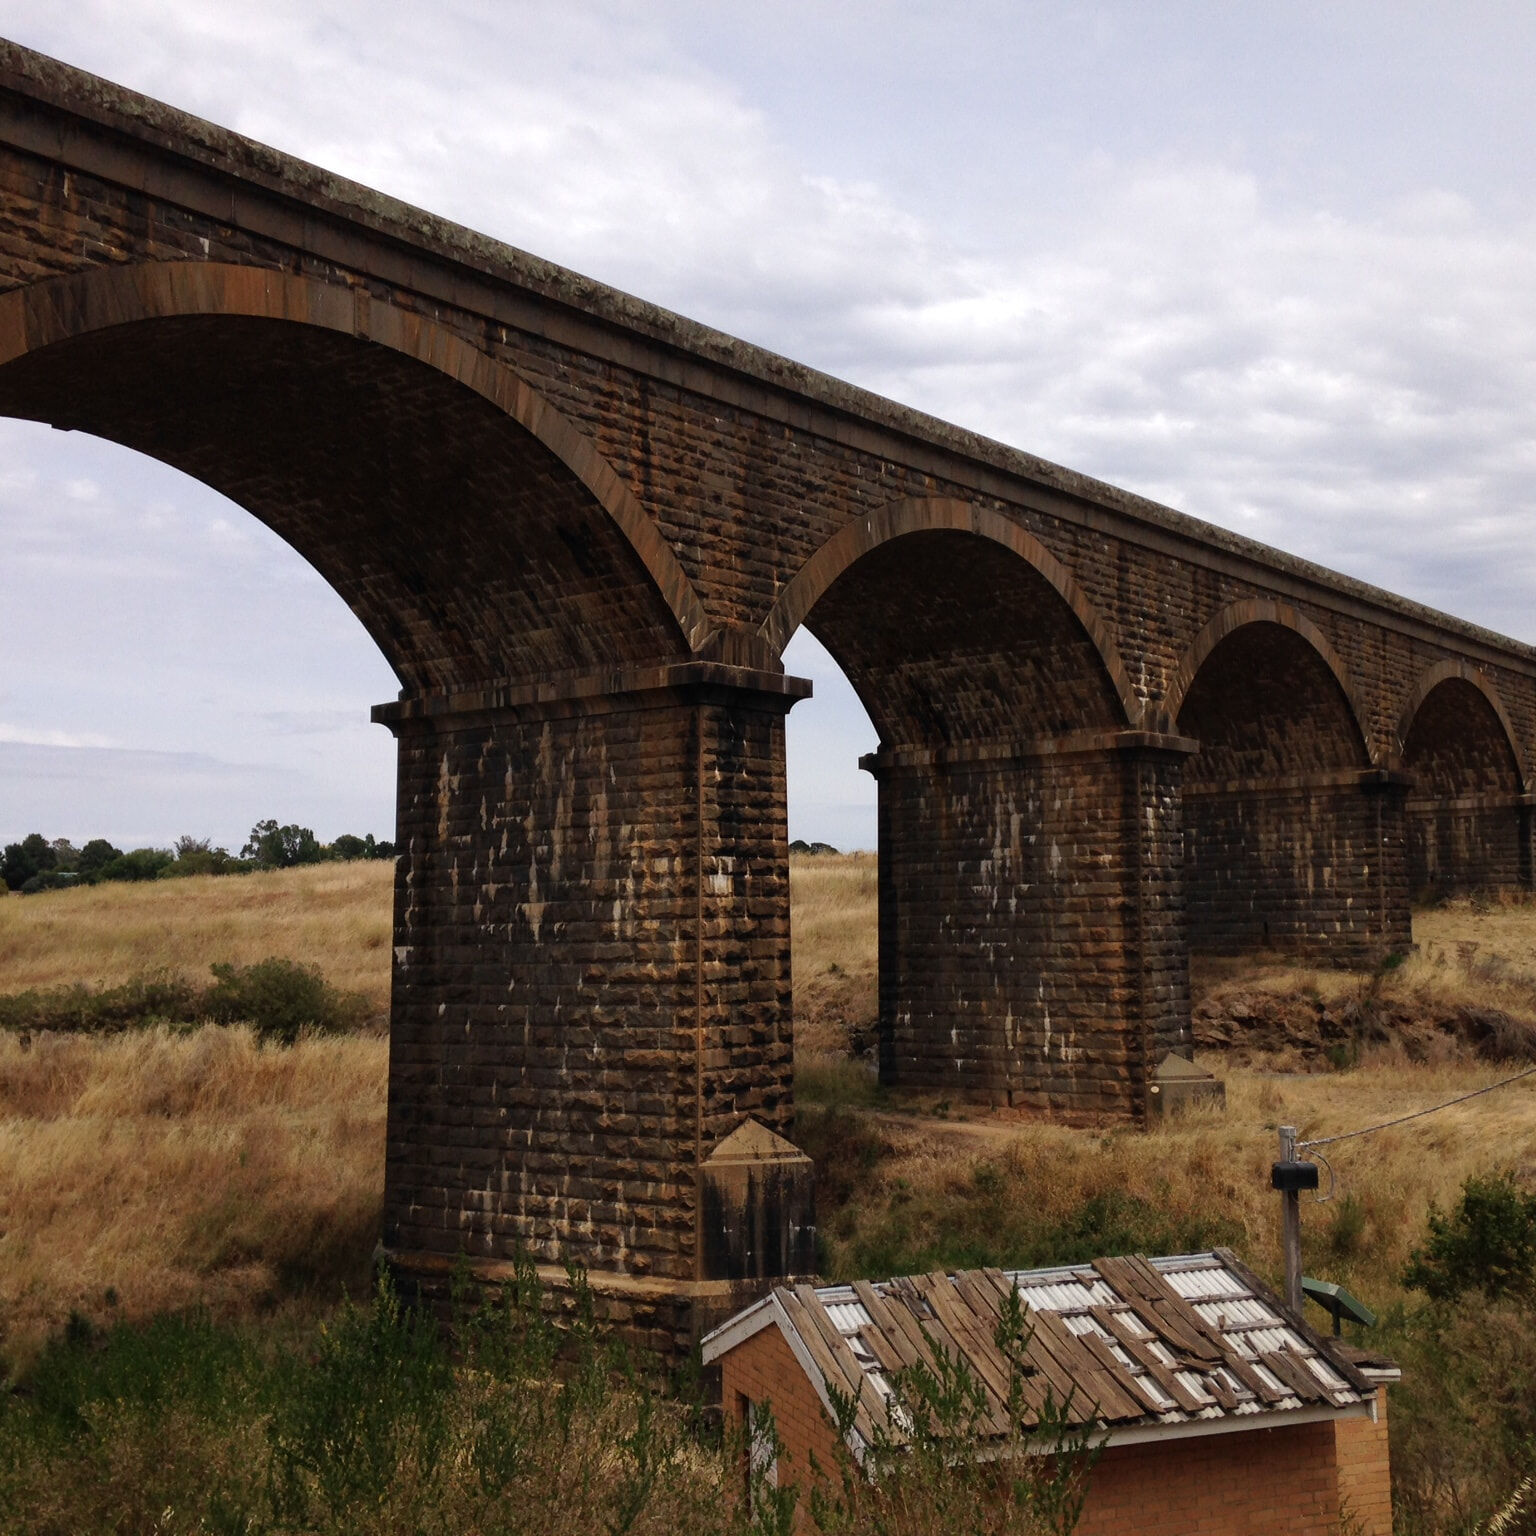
1262,1482
1286,1481
1365,1471
764,1370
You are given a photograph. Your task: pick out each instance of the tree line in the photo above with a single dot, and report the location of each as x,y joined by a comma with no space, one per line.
38,863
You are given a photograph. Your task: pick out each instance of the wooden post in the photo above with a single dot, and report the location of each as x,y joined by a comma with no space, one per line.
1291,1234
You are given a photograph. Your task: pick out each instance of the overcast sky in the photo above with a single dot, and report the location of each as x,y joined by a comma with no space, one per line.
1272,264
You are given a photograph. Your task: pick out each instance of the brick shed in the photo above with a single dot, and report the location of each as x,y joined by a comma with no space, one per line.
1220,1410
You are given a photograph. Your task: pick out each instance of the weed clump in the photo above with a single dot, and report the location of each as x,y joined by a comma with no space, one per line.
506,1424
278,998
1487,1243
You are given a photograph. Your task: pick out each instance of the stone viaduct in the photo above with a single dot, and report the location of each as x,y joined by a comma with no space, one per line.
582,529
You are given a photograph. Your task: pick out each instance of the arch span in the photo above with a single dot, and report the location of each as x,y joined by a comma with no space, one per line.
1239,615
915,515
48,318
1003,710
1292,838
1473,677
1467,827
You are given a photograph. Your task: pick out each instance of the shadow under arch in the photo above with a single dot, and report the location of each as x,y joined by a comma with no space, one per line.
915,515
1293,835
1473,677
1238,615
1468,826
66,342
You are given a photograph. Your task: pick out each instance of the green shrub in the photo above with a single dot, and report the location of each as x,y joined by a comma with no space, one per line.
140,864
1488,1243
49,880
990,1223
279,998
137,1004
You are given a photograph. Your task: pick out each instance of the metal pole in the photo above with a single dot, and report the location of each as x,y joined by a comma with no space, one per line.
1291,1235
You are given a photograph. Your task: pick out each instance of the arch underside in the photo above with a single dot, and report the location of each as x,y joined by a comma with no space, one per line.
1467,824
1283,825
951,640
998,856
465,547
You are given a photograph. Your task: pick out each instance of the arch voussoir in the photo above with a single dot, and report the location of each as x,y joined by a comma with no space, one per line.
942,515
1239,615
64,308
1474,677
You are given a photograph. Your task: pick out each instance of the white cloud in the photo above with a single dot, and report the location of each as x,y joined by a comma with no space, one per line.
1303,311
29,736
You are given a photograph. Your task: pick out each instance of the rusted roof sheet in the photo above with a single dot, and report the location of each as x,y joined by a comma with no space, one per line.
1127,1344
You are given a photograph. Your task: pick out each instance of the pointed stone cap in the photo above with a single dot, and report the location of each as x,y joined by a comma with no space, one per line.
753,1142
1175,1068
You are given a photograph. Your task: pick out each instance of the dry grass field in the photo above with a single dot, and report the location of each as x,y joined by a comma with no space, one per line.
147,1170
336,916
155,1170
836,959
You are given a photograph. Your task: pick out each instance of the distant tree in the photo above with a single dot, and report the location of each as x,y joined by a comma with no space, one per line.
94,856
140,864
66,857
15,867
197,856
348,846
33,855
273,847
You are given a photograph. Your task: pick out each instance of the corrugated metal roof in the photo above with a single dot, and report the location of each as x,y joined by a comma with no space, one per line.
1126,1343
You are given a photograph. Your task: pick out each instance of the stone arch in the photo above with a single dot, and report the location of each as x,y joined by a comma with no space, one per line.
1239,615
1003,709
1466,826
857,540
1460,672
338,325
1292,838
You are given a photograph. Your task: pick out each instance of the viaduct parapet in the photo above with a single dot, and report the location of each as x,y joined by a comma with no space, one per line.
582,529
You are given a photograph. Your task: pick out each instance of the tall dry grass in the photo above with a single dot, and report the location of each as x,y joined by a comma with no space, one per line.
335,916
990,1191
150,1171
1478,953
168,1168
833,943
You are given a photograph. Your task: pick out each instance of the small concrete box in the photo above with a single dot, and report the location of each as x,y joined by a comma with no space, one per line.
1177,1083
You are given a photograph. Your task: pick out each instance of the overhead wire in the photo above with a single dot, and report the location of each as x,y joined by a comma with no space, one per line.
1418,1114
